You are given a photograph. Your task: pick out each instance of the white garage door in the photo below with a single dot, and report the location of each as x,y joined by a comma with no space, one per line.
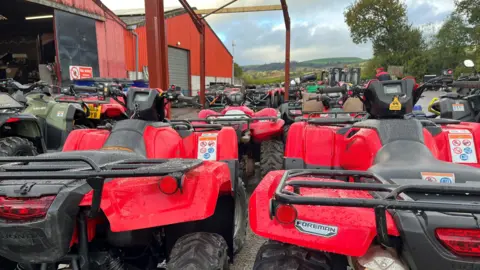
178,67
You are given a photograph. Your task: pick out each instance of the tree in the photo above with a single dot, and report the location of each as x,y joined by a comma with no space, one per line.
237,70
375,21
471,10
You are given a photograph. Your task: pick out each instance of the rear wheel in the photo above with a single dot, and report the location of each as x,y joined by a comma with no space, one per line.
275,255
241,217
271,156
17,146
202,251
269,102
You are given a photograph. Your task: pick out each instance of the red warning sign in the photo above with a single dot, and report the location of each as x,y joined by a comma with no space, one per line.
467,142
211,143
456,143
203,144
78,72
457,150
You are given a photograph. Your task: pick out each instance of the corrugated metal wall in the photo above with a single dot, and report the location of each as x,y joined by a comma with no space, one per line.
178,67
110,38
181,29
86,5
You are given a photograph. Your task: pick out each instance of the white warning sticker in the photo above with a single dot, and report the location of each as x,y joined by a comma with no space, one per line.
207,146
434,177
462,146
457,107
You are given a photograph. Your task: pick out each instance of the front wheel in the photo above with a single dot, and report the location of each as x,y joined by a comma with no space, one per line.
271,156
17,146
205,251
276,255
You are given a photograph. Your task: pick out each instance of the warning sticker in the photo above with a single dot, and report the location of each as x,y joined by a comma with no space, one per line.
207,146
395,105
457,107
462,146
443,178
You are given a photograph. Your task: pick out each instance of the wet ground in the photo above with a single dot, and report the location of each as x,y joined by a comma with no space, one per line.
245,259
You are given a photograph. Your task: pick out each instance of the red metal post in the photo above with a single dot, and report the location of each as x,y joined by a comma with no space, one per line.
286,17
202,65
157,45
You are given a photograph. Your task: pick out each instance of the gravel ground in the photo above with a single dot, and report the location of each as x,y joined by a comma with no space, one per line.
245,259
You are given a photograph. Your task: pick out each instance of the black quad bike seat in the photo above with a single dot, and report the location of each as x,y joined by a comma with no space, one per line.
21,86
402,159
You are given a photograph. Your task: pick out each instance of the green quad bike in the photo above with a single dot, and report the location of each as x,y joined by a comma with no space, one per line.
20,133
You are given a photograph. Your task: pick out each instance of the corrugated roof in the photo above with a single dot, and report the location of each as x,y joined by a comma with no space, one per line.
138,11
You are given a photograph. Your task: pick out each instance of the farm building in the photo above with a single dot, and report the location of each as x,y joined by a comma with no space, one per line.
67,33
183,49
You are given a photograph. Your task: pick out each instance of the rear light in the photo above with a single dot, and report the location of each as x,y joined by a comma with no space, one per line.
24,208
462,242
285,213
169,185
350,92
13,120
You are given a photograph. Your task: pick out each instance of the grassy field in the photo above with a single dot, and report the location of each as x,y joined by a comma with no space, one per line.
337,60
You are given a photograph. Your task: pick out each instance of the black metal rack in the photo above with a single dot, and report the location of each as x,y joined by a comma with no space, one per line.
380,203
20,168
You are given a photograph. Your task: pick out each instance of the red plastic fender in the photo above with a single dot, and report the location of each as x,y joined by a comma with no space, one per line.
360,149
443,143
137,203
205,113
85,139
356,226
265,130
244,109
163,142
294,148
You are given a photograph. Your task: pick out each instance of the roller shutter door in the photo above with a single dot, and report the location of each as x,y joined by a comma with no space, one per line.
178,67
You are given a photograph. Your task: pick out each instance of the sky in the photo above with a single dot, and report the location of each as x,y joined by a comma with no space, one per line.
318,29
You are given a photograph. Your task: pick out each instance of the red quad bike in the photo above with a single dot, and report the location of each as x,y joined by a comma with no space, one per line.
259,134
130,196
102,103
264,97
382,193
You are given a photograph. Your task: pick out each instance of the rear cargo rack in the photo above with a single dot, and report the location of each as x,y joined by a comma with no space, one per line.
380,203
20,168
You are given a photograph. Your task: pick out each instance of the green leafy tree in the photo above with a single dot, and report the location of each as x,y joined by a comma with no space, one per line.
237,70
375,21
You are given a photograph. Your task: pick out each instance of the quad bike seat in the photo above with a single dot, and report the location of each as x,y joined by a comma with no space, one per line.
21,86
406,159
353,105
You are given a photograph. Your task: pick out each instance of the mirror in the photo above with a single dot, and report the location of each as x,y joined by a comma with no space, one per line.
468,63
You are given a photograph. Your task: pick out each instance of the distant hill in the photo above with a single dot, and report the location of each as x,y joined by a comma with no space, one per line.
315,63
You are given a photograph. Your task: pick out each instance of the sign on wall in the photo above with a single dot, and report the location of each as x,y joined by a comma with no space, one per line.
78,72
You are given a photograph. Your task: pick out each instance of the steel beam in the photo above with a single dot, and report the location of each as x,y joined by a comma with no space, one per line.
157,45
240,9
286,18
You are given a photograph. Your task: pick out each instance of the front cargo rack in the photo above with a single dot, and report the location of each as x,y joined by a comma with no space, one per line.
21,168
380,203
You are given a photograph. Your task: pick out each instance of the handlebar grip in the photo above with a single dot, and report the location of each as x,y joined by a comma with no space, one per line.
466,84
88,89
184,98
330,90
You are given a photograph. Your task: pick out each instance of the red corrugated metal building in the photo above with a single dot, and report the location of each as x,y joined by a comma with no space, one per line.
67,33
184,49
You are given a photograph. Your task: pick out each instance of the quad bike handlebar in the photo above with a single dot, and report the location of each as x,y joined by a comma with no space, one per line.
466,84
332,90
85,89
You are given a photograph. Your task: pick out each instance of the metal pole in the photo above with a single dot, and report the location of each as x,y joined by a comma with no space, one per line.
156,45
136,54
286,17
202,65
233,62
227,4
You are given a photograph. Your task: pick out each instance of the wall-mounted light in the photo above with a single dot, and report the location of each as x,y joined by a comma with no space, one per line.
3,18
38,17
178,43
